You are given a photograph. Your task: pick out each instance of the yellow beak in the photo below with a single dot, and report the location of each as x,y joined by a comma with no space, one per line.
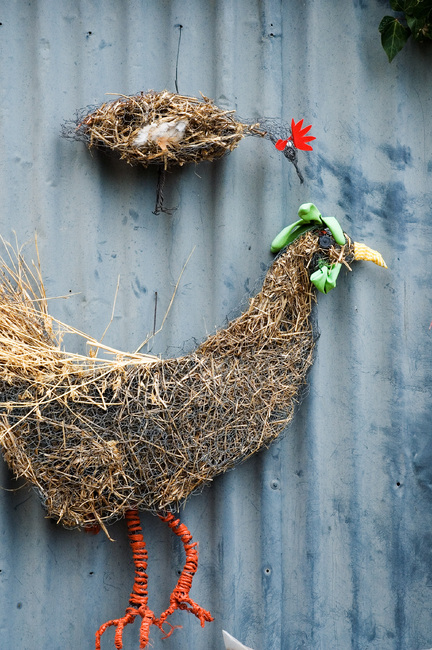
362,252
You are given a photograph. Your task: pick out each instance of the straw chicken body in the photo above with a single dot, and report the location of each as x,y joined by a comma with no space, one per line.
102,441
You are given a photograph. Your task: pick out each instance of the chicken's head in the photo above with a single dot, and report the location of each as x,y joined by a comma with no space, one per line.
334,247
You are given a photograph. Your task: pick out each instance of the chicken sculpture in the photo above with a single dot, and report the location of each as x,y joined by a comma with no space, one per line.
168,129
101,440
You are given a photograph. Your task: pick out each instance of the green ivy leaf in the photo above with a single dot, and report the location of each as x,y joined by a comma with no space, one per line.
422,8
418,8
393,36
404,5
420,28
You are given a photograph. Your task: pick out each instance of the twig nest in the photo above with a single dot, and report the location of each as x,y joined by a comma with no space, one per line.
162,128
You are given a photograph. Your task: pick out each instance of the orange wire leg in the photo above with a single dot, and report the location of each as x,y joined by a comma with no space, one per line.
139,596
180,598
138,599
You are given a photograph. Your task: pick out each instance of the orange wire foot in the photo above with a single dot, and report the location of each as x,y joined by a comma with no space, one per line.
139,596
138,599
180,598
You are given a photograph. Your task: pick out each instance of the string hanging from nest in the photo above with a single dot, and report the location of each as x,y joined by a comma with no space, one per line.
99,439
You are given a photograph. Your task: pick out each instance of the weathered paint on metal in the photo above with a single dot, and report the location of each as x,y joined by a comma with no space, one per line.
325,540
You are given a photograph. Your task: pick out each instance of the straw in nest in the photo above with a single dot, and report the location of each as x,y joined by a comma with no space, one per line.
161,128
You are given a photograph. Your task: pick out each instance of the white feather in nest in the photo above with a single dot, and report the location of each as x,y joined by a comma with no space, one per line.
232,644
163,133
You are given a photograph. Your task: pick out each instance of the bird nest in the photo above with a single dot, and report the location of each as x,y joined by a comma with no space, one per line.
99,437
161,128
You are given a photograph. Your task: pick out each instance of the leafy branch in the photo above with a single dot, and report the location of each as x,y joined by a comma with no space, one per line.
415,20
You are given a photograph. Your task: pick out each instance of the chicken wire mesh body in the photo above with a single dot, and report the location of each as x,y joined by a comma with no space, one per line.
99,438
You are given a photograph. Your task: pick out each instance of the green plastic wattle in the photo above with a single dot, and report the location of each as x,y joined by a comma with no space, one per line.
325,277
289,234
309,216
334,226
281,240
309,212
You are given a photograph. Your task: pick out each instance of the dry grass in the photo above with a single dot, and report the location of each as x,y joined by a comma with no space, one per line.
97,438
210,132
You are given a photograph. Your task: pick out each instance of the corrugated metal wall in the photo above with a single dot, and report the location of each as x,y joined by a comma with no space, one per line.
325,540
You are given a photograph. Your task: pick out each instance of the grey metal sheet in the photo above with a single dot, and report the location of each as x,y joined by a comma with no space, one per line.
324,540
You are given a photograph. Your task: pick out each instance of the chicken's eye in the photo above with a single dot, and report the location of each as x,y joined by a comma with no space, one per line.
325,241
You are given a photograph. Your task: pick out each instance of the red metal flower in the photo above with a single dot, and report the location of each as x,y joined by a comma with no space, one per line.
298,136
